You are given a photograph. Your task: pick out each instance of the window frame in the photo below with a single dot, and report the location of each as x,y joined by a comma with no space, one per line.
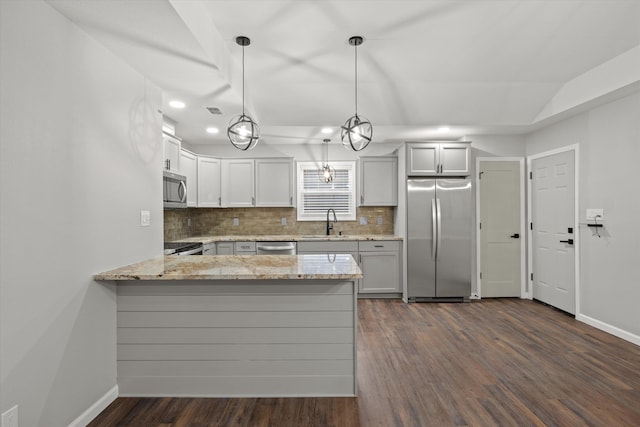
321,215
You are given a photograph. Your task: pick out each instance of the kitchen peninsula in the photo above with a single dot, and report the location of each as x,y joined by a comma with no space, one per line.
234,325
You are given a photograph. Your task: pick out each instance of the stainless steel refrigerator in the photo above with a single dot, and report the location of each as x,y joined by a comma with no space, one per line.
438,238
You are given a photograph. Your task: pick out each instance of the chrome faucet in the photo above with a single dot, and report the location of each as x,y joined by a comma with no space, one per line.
335,219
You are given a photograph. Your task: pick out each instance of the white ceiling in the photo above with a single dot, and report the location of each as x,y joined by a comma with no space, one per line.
476,66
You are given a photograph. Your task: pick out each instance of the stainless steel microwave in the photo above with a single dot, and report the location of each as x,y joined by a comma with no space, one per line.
175,190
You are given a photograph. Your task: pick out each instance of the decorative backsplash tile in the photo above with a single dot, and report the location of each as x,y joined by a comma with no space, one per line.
182,223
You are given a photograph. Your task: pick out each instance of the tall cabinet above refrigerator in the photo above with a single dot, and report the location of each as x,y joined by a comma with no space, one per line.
439,231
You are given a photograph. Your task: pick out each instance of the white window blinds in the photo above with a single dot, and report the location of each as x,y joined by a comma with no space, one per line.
316,196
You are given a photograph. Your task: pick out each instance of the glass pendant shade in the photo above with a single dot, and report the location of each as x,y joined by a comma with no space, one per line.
356,133
327,172
243,132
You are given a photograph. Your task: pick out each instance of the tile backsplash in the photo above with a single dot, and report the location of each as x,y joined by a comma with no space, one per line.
181,223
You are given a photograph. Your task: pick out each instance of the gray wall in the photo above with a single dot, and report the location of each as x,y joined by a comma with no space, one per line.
608,137
80,157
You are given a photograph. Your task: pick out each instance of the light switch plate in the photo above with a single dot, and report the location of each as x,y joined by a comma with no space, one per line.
364,220
283,221
379,219
592,212
236,221
145,218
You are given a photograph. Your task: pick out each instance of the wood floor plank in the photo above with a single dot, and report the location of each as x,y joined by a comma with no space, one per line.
495,362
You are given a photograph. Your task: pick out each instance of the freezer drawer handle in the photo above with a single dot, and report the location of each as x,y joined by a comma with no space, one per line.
515,236
568,241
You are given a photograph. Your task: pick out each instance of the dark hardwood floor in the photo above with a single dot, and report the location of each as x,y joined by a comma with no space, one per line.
495,362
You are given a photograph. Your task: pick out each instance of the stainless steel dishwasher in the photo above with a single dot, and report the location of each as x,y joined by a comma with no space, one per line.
276,248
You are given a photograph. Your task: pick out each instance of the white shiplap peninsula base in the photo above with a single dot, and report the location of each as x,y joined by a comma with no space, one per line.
284,326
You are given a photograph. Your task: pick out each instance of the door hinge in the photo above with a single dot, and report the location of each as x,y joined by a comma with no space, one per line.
531,225
480,175
531,276
481,275
480,226
530,175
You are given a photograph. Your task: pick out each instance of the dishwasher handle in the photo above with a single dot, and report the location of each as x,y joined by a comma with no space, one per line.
276,248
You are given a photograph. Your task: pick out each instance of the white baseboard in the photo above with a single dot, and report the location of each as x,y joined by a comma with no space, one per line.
94,410
613,330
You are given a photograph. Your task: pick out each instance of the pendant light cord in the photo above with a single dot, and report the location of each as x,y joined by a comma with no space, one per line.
356,67
243,80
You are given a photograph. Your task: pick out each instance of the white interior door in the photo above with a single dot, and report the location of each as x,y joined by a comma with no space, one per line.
500,219
553,232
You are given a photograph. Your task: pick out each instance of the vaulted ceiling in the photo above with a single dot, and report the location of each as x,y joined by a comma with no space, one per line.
499,66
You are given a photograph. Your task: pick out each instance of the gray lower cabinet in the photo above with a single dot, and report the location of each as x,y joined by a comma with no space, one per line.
245,248
224,248
379,260
380,265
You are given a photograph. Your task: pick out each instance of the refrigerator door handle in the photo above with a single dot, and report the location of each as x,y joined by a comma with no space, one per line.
439,231
434,230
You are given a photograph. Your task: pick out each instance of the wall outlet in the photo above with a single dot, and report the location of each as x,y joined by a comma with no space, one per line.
236,221
379,219
364,220
591,214
145,218
283,221
10,417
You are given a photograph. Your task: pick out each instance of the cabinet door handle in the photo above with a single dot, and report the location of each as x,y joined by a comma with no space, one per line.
378,246
219,201
515,236
362,198
291,200
253,201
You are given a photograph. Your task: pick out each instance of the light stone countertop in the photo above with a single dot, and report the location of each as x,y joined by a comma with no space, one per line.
239,267
288,238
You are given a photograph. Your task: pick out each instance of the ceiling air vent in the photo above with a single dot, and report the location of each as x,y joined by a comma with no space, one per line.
214,110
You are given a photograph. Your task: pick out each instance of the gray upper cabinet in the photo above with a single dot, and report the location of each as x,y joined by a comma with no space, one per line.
274,182
378,181
171,150
208,173
238,185
188,168
438,158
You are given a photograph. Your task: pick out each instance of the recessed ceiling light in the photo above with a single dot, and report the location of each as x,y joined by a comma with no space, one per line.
213,130
327,130
444,129
176,104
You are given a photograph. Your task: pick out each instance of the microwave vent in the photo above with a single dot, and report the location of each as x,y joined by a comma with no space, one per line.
214,110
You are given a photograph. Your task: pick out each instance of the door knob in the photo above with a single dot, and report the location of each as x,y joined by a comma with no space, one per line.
515,236
568,241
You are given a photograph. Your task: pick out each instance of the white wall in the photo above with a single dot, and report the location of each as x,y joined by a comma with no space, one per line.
609,141
80,157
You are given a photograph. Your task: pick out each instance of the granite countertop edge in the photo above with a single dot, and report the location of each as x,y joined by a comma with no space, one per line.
237,267
287,238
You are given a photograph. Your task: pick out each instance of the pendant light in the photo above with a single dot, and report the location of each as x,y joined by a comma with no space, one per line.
243,131
357,131
327,172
